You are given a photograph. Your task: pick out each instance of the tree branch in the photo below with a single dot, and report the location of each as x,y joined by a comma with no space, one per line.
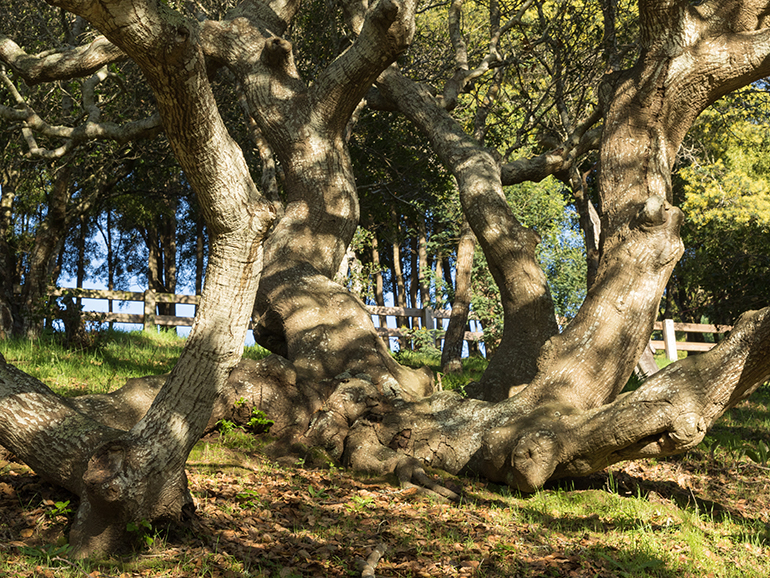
463,75
384,35
586,137
59,65
679,403
91,129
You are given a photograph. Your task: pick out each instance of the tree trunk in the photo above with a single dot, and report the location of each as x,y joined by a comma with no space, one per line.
438,275
7,260
80,269
423,266
590,224
414,280
139,475
299,312
508,246
48,241
110,261
168,246
379,297
336,388
397,276
455,333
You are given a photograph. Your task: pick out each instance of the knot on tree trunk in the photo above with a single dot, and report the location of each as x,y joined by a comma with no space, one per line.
659,221
688,430
101,522
525,461
395,17
533,460
105,479
653,212
277,53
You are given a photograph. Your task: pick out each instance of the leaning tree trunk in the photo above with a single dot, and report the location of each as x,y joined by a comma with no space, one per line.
529,319
570,411
567,419
124,477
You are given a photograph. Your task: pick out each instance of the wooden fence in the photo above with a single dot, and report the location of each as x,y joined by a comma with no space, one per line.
150,299
427,319
670,344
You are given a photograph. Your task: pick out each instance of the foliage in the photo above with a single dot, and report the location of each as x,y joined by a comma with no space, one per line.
724,190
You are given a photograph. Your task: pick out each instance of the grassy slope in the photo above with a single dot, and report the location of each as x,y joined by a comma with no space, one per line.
705,513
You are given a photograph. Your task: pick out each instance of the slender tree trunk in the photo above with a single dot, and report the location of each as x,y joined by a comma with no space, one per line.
414,279
453,340
379,297
80,271
446,270
399,290
7,259
110,261
424,266
590,224
48,240
508,246
438,277
167,239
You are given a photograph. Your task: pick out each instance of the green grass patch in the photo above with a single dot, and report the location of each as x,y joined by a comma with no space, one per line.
118,356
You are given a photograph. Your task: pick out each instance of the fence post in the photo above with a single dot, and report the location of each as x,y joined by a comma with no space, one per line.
149,310
428,322
669,339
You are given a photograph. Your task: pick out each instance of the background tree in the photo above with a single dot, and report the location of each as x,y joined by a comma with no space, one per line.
724,187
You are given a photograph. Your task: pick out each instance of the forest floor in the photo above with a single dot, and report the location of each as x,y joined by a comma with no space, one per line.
706,513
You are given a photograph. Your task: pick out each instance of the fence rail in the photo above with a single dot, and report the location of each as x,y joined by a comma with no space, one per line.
427,318
670,344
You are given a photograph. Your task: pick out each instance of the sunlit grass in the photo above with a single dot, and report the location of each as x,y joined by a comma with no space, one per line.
473,368
116,357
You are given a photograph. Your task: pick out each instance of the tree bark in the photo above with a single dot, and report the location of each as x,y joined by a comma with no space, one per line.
379,297
453,339
7,260
140,474
423,265
397,274
560,411
299,313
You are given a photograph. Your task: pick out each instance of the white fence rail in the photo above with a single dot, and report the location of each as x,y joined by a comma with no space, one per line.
427,318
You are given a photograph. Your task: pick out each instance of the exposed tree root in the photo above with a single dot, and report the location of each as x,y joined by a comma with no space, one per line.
410,470
373,560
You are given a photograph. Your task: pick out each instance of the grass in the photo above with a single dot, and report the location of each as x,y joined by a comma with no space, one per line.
118,356
706,513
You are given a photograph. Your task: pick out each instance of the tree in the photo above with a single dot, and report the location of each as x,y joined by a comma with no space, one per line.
552,402
724,188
